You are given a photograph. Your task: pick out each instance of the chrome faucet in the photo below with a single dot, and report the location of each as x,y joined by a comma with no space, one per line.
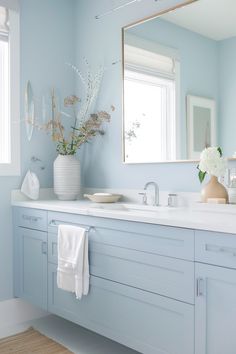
156,191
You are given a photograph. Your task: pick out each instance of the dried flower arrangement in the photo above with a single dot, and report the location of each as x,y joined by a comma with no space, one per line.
85,125
82,130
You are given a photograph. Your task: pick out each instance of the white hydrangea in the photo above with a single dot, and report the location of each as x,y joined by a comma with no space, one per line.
212,163
210,153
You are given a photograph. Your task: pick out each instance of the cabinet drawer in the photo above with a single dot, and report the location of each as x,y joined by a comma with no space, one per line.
149,238
31,218
161,275
215,248
143,321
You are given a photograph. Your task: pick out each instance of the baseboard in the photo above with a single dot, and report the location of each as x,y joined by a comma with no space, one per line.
16,311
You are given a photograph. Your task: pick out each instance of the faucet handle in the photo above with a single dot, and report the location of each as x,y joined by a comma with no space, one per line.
172,200
144,197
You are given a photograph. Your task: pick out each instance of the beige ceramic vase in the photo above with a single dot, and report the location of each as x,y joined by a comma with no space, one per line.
214,189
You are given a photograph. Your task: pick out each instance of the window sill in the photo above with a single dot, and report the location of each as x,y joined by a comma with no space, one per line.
7,170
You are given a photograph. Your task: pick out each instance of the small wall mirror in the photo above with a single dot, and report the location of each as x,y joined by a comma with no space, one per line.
29,111
179,76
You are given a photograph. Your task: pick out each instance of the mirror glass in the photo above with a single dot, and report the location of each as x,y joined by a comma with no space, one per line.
180,83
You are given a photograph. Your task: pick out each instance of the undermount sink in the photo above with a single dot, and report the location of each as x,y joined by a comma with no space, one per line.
148,208
108,206
132,207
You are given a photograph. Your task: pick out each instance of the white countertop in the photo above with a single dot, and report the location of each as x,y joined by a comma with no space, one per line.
177,217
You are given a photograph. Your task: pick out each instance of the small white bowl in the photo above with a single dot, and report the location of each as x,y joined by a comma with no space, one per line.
103,197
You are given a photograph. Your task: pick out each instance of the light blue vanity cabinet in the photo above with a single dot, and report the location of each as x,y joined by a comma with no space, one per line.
141,286
30,256
140,295
215,306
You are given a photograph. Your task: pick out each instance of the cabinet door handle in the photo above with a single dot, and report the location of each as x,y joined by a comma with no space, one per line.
44,247
200,287
228,251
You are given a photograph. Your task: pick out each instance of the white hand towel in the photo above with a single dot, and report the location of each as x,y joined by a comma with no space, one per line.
30,186
73,265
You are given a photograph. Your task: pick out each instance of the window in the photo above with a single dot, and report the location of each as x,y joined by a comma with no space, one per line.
9,93
4,89
150,113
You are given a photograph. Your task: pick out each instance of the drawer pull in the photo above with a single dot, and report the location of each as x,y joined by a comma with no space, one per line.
44,247
221,249
56,223
31,218
200,287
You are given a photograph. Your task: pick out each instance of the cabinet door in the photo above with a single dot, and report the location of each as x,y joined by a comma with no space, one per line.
215,310
31,266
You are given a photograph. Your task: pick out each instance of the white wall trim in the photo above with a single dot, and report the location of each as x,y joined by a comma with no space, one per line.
14,312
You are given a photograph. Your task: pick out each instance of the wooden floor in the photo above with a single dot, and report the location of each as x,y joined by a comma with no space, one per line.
31,341
73,337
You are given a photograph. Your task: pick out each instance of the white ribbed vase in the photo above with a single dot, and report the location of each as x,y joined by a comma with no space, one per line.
66,172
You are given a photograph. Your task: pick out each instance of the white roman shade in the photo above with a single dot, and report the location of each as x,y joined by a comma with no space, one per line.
10,4
151,61
4,23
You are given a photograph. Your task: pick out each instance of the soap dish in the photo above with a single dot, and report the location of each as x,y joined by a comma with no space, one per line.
103,197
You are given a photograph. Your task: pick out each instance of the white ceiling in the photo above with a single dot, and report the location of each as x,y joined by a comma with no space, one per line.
215,19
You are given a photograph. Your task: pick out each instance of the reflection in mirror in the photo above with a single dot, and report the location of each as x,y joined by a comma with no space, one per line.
180,83
29,111
201,125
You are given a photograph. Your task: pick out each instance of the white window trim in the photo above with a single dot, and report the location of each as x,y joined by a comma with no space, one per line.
168,151
134,51
13,168
178,127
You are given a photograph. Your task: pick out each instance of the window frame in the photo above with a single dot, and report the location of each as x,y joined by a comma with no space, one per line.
13,168
132,61
168,83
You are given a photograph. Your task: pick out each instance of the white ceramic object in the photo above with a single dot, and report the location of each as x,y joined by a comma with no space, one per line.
66,177
103,197
31,186
29,111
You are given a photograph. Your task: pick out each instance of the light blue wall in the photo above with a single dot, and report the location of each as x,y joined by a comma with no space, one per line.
47,42
100,41
198,62
227,55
